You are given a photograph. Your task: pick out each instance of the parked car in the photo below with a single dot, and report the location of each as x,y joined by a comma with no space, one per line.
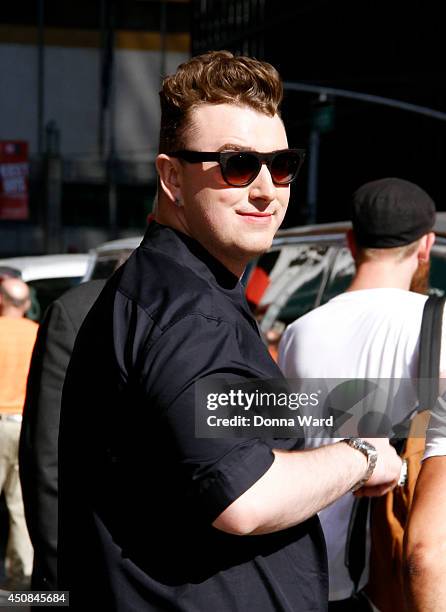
108,256
304,268
307,266
47,275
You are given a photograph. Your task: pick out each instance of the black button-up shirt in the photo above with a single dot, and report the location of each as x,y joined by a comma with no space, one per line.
138,489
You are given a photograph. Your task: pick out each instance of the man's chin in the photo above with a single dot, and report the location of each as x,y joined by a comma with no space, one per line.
257,247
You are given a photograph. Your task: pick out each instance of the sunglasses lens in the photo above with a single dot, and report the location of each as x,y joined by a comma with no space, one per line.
284,167
241,168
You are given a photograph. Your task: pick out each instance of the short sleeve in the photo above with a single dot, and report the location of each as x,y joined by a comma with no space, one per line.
218,471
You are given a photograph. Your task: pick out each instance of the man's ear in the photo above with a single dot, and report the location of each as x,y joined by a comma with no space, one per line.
426,244
352,243
169,176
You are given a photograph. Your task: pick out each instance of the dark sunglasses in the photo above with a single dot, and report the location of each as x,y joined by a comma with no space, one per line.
240,168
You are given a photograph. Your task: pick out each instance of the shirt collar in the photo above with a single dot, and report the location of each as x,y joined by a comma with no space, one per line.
190,252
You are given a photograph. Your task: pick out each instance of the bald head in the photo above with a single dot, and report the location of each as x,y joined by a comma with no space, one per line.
14,297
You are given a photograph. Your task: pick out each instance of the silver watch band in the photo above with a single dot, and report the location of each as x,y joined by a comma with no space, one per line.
371,455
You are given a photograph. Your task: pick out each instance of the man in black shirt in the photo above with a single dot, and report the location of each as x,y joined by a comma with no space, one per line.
151,516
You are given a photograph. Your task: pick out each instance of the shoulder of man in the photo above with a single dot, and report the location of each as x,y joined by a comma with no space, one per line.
309,319
166,291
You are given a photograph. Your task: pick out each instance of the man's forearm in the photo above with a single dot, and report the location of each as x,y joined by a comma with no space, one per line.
300,483
307,481
296,486
425,541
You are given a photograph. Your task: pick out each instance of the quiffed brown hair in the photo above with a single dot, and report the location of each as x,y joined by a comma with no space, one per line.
216,77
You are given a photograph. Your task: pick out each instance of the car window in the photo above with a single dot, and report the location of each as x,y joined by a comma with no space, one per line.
344,269
34,313
46,290
341,275
103,268
296,281
105,264
437,277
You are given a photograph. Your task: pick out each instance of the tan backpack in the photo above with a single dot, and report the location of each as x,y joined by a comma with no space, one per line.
389,515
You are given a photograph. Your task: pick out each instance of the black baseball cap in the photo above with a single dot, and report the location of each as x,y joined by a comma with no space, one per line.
391,212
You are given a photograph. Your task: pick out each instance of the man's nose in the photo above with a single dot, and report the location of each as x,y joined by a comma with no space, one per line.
263,187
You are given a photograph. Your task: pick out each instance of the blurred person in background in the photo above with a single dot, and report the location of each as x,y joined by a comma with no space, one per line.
371,331
17,338
40,426
38,450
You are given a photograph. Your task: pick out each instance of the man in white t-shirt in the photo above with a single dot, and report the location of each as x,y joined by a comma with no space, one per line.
370,331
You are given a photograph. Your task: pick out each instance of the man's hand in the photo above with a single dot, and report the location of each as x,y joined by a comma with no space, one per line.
300,483
387,471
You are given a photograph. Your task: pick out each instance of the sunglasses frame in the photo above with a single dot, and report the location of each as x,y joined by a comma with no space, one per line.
222,157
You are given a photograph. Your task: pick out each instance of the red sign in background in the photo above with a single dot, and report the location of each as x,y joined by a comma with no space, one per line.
14,173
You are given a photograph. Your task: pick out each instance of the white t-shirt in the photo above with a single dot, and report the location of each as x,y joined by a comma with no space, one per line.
370,333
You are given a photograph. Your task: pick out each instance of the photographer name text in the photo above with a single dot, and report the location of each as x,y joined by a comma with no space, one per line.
258,420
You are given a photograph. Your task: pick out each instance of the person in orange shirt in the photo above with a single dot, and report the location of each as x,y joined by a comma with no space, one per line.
17,338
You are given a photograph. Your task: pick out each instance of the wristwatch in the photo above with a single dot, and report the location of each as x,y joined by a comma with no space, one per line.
370,453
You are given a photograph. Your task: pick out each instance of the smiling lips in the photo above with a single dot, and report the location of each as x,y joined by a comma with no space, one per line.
255,214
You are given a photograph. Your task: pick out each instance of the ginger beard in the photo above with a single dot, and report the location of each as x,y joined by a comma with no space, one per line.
420,280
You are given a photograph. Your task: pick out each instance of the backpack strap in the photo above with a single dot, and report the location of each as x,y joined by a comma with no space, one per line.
429,352
355,547
428,370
